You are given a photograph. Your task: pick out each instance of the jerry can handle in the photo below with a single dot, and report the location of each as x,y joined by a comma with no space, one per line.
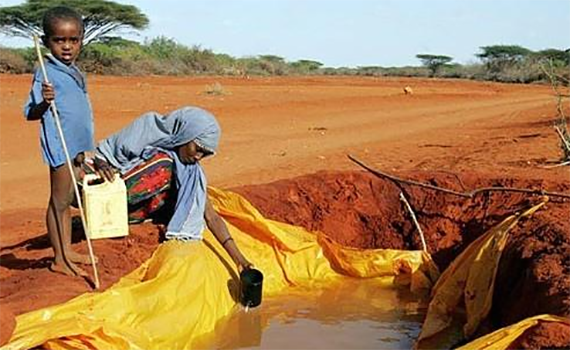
90,177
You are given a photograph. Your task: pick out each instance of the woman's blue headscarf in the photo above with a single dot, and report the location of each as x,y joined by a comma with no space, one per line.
138,141
127,148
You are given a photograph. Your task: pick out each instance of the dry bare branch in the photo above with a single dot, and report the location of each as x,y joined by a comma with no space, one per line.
470,194
415,220
561,126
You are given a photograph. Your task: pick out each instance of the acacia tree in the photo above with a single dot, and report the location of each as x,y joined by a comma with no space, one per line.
434,62
100,17
272,58
498,57
554,55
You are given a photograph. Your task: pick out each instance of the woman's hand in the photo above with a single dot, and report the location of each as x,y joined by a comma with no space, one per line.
104,170
220,231
244,264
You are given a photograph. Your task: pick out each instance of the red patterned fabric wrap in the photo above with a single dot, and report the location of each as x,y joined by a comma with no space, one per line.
148,186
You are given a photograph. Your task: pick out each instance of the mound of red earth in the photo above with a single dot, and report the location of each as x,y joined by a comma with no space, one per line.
8,322
358,209
545,336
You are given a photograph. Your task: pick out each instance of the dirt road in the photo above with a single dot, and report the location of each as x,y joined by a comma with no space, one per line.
277,128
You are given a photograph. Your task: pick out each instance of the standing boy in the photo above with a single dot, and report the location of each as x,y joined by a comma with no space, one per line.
63,36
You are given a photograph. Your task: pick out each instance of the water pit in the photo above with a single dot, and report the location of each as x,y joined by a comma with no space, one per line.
359,210
352,314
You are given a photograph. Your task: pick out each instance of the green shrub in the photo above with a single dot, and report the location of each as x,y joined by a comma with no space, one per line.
14,61
468,71
164,56
370,71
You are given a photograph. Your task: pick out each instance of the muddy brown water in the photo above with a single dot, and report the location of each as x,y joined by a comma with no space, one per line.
360,210
350,314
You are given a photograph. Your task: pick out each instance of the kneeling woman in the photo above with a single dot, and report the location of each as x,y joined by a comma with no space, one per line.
180,140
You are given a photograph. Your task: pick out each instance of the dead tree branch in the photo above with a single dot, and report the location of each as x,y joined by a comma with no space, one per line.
562,124
415,220
470,194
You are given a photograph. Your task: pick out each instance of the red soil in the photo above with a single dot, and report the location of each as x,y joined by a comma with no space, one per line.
281,128
8,322
544,336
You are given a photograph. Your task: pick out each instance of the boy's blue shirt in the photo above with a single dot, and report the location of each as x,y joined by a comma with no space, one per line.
74,109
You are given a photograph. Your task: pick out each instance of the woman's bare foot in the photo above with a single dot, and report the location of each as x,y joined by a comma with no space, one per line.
67,269
77,258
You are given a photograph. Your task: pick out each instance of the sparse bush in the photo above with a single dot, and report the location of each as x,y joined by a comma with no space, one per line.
215,89
115,56
305,67
467,71
11,61
98,57
370,71
407,71
266,65
526,72
164,56
345,71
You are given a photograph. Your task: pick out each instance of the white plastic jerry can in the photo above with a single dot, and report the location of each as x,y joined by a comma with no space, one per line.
105,207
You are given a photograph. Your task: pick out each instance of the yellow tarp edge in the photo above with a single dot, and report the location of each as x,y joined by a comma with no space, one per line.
469,278
502,338
179,296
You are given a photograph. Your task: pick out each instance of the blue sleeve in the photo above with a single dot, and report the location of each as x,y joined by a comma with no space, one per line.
35,96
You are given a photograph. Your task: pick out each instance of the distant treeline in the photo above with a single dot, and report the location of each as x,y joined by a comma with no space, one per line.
164,56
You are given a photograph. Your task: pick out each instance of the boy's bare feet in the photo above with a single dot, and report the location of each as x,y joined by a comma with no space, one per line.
67,269
79,258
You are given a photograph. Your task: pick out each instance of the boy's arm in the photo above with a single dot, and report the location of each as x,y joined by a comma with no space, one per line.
36,111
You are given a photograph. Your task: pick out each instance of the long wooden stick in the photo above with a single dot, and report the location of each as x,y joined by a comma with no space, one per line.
415,220
69,164
470,194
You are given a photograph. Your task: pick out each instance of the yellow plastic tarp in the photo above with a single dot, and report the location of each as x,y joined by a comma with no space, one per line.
503,338
470,279
185,290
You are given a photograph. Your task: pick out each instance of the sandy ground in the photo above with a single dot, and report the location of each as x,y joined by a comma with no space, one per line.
275,129
278,128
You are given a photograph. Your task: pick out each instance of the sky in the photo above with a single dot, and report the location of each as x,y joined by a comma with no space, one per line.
352,33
